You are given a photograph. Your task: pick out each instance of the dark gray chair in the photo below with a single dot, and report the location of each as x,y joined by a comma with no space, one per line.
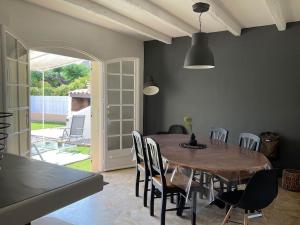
249,141
260,192
177,129
220,134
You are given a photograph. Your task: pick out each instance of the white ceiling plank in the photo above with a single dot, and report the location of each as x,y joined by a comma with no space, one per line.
275,10
102,13
217,12
163,15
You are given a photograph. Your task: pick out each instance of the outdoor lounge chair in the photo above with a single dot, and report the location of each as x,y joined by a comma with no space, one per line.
75,132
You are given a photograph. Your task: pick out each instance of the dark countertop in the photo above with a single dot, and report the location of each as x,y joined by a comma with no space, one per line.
30,183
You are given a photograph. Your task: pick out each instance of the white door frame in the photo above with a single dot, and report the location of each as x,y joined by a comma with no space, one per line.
137,112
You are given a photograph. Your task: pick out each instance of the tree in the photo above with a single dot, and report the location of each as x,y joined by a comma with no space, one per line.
60,81
74,71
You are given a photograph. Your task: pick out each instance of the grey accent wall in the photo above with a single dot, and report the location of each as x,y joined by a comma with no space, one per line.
255,86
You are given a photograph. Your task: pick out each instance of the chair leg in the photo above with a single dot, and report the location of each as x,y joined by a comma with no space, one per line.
181,204
146,189
194,209
227,215
137,183
246,217
163,209
152,200
172,198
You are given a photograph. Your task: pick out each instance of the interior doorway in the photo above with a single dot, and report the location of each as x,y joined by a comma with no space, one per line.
60,96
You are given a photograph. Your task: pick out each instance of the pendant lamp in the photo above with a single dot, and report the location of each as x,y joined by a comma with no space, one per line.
199,55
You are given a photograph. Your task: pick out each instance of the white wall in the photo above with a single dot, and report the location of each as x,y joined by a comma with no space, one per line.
41,29
38,26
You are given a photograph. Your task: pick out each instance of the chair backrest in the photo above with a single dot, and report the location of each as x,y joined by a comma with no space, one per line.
261,190
155,160
177,129
219,134
249,141
139,147
77,125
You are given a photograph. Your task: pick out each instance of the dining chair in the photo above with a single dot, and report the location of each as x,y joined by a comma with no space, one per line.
162,182
260,192
177,129
249,141
141,164
219,134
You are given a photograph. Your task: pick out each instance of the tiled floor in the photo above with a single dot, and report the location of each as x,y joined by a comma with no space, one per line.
116,204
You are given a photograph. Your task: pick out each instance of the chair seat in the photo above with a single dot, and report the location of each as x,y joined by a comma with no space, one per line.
231,197
179,182
141,166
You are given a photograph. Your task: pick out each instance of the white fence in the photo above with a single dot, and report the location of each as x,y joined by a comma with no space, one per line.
57,105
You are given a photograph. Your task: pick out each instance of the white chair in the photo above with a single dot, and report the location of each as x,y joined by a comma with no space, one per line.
75,132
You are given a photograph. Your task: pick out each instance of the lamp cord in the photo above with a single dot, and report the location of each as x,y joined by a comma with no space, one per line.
200,21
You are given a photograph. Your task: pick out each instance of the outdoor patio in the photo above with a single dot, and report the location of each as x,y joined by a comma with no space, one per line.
48,145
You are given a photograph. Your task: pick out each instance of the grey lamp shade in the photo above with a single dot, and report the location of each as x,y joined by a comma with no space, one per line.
199,55
150,87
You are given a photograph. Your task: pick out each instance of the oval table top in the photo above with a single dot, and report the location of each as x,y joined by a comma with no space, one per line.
217,158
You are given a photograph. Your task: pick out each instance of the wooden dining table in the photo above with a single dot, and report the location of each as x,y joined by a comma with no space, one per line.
217,158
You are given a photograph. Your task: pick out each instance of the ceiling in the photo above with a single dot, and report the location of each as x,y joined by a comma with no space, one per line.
164,19
42,61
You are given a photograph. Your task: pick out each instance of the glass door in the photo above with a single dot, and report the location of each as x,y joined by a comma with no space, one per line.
120,102
16,92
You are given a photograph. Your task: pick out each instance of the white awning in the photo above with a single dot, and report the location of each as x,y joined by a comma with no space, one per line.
42,61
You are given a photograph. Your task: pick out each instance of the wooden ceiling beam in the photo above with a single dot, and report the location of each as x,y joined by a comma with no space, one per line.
102,13
163,15
223,17
275,10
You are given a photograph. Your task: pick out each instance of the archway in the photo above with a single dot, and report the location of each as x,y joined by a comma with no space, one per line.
96,81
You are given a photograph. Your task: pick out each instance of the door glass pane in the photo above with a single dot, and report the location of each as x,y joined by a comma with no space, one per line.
11,47
24,151
113,127
127,112
12,96
23,73
128,97
113,143
14,122
13,144
23,96
24,119
114,112
126,141
12,71
113,97
113,82
128,67
22,53
127,127
128,82
114,67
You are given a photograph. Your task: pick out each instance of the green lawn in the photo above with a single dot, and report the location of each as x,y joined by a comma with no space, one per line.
85,165
39,125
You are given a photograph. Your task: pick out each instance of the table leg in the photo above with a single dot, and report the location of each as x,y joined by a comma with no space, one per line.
194,207
189,185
